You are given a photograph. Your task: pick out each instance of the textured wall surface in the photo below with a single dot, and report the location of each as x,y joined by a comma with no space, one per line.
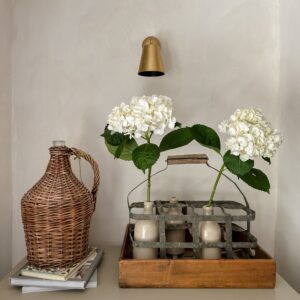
5,136
75,60
288,225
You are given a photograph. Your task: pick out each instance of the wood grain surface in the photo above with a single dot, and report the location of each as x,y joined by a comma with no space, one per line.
259,272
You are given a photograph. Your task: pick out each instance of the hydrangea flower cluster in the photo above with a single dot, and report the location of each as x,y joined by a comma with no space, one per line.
250,134
142,116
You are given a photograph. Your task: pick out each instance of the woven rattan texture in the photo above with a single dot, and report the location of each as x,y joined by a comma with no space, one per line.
56,212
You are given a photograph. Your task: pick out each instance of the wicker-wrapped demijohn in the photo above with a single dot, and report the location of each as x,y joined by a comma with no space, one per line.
57,210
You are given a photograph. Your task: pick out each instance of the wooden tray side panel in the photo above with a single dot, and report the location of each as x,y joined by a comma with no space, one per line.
197,274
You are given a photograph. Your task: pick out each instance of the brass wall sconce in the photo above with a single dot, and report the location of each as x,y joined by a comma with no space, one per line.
151,64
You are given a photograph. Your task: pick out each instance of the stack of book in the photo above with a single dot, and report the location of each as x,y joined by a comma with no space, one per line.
79,276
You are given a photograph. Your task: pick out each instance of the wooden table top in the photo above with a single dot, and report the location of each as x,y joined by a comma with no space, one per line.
108,289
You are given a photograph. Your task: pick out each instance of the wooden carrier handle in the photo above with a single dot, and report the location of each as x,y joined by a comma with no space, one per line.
81,154
187,159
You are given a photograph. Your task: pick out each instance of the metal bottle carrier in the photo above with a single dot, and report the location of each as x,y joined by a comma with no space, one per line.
230,245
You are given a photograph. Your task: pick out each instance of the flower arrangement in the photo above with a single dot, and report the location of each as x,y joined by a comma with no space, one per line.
140,119
250,136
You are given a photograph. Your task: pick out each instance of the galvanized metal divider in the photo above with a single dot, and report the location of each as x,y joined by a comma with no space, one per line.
192,218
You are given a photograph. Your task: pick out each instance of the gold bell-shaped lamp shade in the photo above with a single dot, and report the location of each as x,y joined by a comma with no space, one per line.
151,64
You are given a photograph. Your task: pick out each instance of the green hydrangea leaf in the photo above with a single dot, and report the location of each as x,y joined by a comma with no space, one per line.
114,139
175,139
257,179
235,165
145,156
178,124
207,137
127,149
267,159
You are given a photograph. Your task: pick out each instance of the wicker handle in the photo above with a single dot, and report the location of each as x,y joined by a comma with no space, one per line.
79,153
187,159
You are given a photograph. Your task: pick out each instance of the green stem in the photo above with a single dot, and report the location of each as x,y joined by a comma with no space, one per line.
148,137
149,185
211,198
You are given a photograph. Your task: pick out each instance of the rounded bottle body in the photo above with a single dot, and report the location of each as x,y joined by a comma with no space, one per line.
210,232
175,235
146,231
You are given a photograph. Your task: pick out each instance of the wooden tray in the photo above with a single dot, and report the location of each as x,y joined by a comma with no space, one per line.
259,272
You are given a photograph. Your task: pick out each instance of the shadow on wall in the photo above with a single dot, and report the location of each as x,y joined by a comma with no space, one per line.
106,222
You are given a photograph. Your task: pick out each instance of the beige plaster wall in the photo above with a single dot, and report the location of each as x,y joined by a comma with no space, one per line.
5,136
287,223
75,60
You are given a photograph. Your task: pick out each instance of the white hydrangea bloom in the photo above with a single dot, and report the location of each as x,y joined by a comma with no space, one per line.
250,135
142,116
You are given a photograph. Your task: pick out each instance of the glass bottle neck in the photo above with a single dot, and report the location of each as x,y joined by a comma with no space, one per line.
208,210
148,208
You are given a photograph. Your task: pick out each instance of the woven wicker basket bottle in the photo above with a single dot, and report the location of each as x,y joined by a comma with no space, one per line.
57,210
